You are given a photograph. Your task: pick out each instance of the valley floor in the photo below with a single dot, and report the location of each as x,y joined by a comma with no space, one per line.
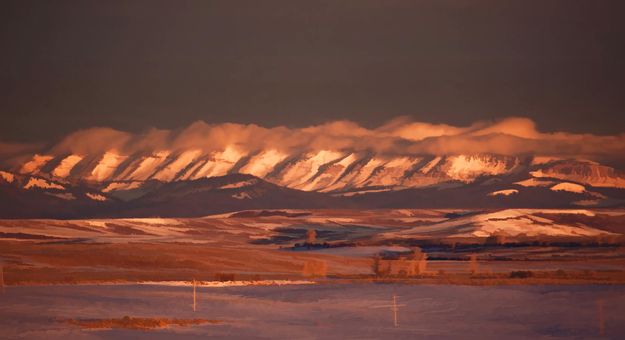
329,311
580,246
312,274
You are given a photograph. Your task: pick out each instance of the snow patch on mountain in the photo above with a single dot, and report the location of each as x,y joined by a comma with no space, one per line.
42,184
242,195
360,192
509,222
467,168
366,171
106,166
263,163
95,197
570,187
220,163
66,165
147,166
506,192
241,184
533,182
35,164
332,173
585,172
304,169
154,221
95,223
392,173
7,176
170,171
587,203
119,186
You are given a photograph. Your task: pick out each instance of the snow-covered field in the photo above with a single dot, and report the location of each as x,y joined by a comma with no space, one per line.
345,225
509,222
349,311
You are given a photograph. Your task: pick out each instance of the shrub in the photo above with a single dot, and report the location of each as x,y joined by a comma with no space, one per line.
315,268
224,277
521,274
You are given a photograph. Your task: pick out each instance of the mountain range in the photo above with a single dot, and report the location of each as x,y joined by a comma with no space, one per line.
193,182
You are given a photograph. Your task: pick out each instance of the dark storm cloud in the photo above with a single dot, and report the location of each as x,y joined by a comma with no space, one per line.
68,65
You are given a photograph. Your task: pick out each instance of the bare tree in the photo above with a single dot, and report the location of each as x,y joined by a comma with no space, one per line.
473,266
417,262
376,265
311,236
315,268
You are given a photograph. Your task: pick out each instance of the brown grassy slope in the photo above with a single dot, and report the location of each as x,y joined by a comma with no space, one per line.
137,323
31,262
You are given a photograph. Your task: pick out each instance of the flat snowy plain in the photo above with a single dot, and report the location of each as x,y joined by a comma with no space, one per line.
328,311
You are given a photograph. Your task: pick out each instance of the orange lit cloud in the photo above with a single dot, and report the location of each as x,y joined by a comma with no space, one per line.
401,136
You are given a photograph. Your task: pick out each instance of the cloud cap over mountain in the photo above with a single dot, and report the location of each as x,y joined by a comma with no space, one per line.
400,136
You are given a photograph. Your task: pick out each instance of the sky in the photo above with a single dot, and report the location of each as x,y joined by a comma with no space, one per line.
131,66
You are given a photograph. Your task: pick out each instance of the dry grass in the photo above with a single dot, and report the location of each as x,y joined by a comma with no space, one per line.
35,263
128,322
558,277
32,263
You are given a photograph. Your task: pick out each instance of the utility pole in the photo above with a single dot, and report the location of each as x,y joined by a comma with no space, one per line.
394,308
194,295
2,278
600,317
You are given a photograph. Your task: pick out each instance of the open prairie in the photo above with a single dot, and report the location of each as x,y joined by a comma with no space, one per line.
478,247
326,311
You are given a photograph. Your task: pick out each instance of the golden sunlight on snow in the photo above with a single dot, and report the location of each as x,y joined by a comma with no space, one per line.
367,170
466,168
330,175
7,176
240,184
148,166
533,182
358,175
393,171
172,169
510,222
107,165
117,186
67,164
261,164
96,197
507,192
221,163
305,169
42,183
570,187
593,174
35,164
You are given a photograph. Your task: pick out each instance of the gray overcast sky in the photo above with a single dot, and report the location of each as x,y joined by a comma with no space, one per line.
136,64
